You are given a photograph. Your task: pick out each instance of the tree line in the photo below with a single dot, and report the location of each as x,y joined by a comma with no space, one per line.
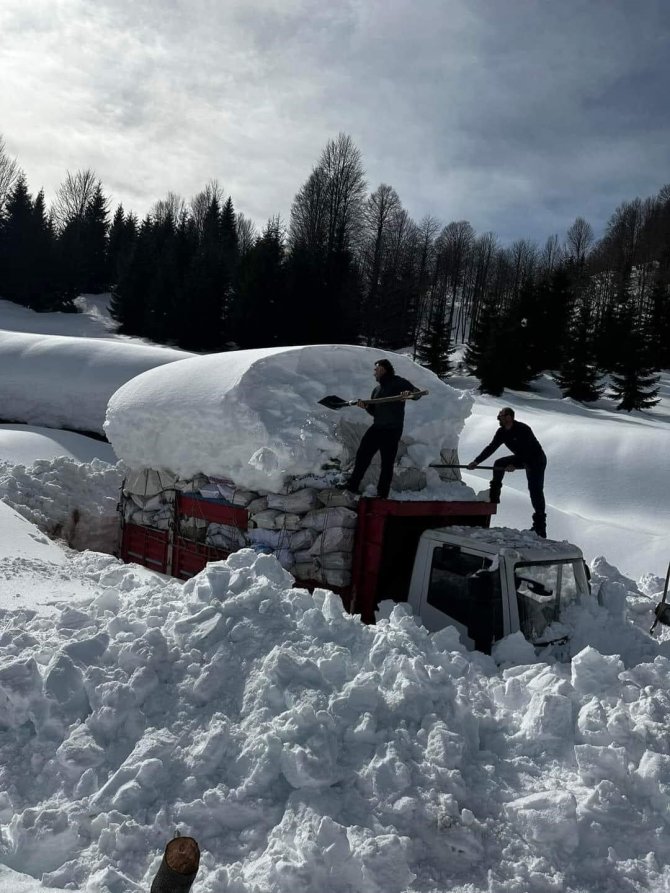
352,266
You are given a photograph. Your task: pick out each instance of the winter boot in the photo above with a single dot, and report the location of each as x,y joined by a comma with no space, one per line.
540,524
494,492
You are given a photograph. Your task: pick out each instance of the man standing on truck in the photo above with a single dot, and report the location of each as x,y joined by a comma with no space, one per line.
384,434
528,454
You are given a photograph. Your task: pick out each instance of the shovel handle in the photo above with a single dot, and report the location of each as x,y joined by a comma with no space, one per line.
394,399
461,466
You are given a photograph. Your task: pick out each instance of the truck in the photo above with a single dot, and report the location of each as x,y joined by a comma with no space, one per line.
442,557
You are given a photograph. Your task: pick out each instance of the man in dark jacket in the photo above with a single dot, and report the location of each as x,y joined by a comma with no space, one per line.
528,454
383,435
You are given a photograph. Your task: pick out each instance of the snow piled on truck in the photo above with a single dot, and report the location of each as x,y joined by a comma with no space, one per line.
253,415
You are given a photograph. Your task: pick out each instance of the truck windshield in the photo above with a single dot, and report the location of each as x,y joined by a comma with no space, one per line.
543,589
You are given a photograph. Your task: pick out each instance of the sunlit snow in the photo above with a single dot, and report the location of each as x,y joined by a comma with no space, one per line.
306,751
254,415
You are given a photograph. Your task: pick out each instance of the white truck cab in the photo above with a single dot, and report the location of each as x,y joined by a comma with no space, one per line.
490,582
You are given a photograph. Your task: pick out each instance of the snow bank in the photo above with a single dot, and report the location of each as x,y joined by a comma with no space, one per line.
25,444
74,501
254,415
305,751
63,382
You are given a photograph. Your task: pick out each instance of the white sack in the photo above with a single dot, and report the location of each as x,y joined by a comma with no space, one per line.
305,570
334,561
299,502
226,536
148,482
330,517
334,539
333,577
302,539
265,519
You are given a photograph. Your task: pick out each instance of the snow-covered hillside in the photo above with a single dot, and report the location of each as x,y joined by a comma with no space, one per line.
302,749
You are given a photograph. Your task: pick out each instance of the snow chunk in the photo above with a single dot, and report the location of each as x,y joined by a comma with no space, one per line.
548,818
254,415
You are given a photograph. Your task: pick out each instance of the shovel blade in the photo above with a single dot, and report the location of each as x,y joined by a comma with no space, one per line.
334,402
662,613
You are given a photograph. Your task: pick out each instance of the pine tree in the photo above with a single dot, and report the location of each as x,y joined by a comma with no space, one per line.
259,317
634,382
578,376
230,258
546,306
120,244
659,324
26,251
434,348
93,244
44,260
128,306
201,306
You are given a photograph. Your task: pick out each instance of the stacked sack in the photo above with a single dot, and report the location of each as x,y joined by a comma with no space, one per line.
148,498
310,530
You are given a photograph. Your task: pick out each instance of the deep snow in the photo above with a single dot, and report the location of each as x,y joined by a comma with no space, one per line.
305,751
254,415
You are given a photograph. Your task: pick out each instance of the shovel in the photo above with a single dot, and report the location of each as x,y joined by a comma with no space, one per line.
662,609
335,402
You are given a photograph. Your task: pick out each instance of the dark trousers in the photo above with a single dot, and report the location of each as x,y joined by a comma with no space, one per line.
384,440
534,476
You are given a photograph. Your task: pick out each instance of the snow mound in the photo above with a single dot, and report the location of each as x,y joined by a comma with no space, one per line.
254,415
89,370
74,501
306,751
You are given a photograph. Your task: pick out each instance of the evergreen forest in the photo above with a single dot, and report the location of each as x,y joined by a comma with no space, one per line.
351,266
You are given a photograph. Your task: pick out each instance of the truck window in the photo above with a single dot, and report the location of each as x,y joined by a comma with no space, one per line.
543,589
448,586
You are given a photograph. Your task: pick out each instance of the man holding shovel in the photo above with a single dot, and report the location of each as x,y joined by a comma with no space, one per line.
383,435
526,453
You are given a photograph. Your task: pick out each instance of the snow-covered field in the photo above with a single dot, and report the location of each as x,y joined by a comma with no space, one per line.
304,751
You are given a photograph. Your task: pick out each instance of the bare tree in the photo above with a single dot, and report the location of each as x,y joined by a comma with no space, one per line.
427,233
378,213
202,202
342,165
327,211
579,239
308,212
73,197
551,254
9,173
172,205
247,233
523,260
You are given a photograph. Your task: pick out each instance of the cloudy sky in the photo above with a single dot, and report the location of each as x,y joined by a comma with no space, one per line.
517,115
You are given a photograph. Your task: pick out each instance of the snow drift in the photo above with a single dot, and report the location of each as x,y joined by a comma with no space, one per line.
254,416
89,371
306,751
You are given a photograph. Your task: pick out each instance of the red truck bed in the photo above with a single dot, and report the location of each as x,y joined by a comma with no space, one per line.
387,534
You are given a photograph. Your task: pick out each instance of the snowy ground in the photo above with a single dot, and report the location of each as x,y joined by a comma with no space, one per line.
305,751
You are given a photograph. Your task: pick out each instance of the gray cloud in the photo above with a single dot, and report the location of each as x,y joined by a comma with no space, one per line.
515,115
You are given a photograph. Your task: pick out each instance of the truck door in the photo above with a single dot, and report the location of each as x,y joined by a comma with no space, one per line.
463,590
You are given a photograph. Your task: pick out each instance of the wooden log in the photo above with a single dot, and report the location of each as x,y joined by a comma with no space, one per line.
179,867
